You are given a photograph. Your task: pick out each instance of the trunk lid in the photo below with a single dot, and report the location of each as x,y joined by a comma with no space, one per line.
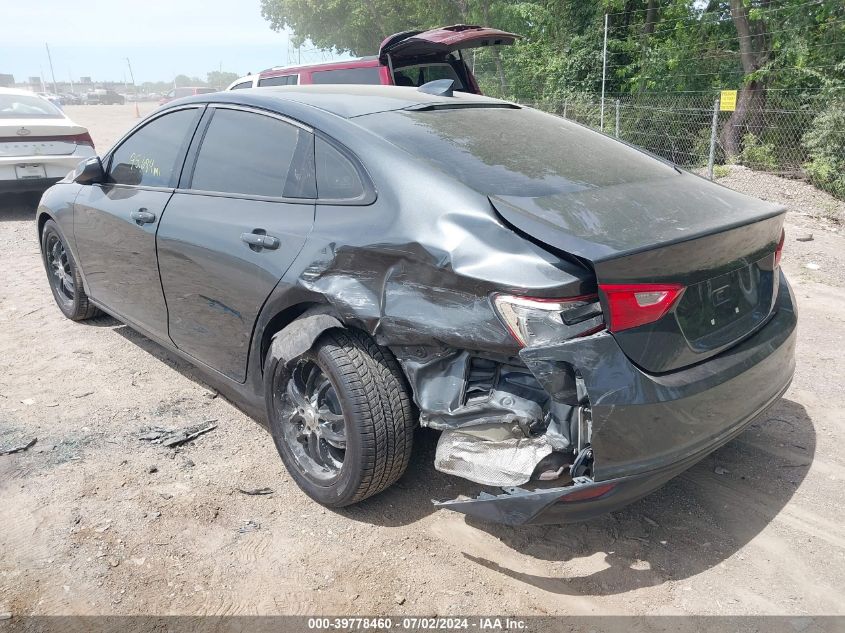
38,137
441,41
717,243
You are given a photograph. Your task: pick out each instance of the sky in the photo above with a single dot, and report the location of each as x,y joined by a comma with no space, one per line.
161,38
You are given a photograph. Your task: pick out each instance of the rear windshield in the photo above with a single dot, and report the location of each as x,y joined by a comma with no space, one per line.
27,107
366,75
420,74
514,152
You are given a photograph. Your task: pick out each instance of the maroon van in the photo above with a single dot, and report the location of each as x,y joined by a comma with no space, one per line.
410,58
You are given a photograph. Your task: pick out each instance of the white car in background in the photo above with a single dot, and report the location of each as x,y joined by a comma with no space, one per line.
39,145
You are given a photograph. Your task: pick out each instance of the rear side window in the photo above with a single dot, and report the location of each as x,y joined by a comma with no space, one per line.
367,75
253,154
337,176
284,80
148,157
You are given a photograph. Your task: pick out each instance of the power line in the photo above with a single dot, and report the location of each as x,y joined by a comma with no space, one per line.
688,18
723,52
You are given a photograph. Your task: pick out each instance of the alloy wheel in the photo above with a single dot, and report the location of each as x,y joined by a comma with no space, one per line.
315,428
58,265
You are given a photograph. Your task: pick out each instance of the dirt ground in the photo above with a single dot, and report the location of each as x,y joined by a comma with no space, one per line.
95,520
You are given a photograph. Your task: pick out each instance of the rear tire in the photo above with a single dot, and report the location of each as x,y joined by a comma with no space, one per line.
367,386
63,275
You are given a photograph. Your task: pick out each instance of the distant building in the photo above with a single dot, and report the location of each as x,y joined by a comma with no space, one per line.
6,81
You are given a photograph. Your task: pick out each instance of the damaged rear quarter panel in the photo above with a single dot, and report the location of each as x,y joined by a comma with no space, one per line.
416,268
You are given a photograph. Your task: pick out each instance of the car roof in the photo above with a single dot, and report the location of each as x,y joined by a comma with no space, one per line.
343,100
366,61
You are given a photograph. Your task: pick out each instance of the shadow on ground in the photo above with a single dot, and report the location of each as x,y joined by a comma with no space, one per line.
696,522
17,207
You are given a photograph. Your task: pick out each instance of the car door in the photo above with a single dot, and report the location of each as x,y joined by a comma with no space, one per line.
238,220
115,222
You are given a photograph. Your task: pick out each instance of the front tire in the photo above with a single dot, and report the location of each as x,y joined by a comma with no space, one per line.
341,418
63,275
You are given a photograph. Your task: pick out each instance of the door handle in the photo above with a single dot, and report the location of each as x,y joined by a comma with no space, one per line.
258,241
142,216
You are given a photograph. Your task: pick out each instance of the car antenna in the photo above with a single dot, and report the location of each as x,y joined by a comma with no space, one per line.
438,87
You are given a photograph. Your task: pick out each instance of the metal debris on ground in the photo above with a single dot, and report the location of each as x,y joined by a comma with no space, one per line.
805,238
257,491
19,449
721,471
249,526
177,437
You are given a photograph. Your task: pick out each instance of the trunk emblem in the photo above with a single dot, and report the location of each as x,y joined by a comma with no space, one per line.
721,295
23,131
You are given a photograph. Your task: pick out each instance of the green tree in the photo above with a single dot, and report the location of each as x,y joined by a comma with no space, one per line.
220,79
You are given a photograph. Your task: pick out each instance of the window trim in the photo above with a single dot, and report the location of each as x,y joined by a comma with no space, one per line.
369,195
179,164
260,79
186,179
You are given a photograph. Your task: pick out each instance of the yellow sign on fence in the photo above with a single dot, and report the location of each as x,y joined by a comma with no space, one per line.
727,100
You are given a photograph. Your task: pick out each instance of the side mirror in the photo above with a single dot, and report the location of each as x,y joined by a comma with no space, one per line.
126,174
89,172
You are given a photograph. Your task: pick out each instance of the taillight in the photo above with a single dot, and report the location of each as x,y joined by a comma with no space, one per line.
632,305
779,249
79,139
537,321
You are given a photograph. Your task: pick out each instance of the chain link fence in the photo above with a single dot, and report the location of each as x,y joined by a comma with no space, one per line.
682,128
783,133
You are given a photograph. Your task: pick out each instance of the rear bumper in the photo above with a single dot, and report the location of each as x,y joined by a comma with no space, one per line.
649,428
56,167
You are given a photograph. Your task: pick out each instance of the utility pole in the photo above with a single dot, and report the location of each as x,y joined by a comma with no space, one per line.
134,88
50,59
603,73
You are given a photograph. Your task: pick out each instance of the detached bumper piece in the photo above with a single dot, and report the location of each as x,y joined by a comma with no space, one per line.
581,501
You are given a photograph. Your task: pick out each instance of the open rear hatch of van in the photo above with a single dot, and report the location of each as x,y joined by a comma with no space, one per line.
705,251
442,41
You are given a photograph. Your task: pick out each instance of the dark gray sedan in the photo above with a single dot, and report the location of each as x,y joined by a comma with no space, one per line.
346,262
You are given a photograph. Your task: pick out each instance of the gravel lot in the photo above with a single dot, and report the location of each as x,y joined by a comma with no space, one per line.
96,521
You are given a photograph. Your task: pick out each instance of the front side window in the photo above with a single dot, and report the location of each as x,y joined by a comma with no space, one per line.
242,85
337,176
253,154
366,75
148,157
